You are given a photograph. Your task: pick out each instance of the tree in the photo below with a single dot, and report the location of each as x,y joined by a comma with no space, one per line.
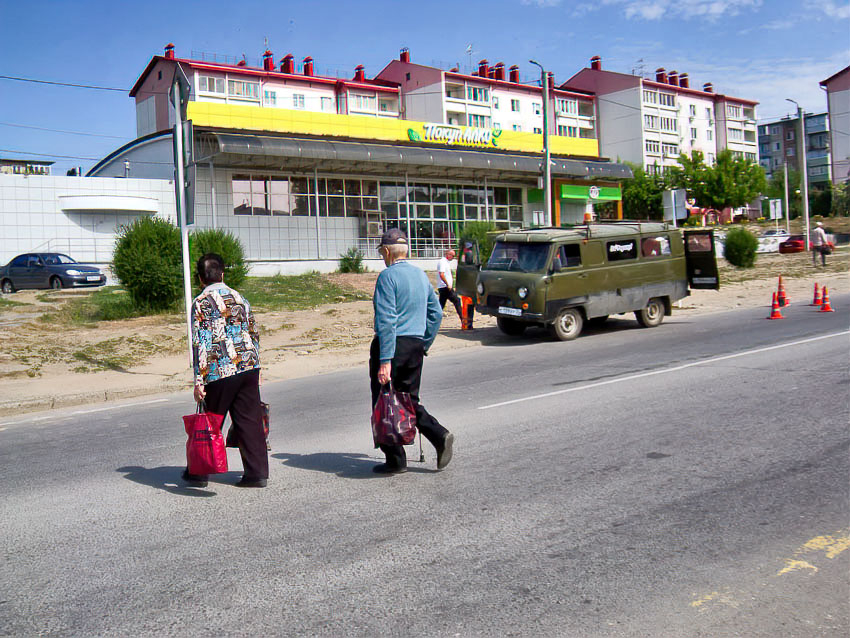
642,195
841,199
730,183
148,262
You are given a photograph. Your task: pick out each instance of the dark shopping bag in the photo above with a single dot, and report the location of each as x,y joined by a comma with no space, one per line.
205,453
233,437
393,418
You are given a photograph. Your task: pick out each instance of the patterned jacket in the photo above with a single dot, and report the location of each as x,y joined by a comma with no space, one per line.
225,340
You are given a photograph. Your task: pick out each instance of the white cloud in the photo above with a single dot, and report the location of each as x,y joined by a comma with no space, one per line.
687,9
830,9
543,3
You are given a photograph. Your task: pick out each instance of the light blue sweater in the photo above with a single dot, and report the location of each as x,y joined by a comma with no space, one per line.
405,306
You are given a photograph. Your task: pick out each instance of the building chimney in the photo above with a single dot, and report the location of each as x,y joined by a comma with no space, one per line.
684,82
404,55
673,78
514,74
268,61
596,63
454,69
242,62
308,65
491,73
551,76
500,70
708,87
661,75
359,73
288,64
169,51
482,68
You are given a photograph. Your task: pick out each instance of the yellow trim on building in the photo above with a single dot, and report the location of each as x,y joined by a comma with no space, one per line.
361,127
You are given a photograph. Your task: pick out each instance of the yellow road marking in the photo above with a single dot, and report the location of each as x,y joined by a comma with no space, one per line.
831,545
794,565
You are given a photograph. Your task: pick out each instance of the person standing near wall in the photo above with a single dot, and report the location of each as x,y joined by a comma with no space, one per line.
445,283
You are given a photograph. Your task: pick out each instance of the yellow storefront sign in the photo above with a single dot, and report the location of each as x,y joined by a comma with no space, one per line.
360,127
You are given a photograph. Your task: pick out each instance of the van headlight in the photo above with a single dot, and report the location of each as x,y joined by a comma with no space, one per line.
480,288
522,291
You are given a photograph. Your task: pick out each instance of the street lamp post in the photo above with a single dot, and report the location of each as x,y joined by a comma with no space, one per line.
547,164
801,114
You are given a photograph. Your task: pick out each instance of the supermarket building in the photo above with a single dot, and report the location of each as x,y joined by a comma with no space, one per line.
302,167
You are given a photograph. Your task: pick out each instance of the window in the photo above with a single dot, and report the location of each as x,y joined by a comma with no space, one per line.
298,100
249,195
327,104
480,121
269,98
692,110
365,102
709,135
733,110
567,131
516,127
536,107
789,135
621,249
568,256
477,94
750,157
693,133
495,102
566,107
650,97
515,105
653,147
667,99
655,246
243,89
208,84
789,152
708,114
736,134
669,124
671,150
538,130
650,121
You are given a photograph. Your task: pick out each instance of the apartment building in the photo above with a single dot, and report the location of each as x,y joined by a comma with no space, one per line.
779,144
650,122
837,88
9,166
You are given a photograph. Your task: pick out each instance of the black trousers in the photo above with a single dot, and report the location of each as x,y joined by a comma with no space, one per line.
448,294
239,395
406,375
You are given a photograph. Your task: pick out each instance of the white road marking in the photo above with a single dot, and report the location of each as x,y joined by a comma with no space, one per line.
662,371
79,412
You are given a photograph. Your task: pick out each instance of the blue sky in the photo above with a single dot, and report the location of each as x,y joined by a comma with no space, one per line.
766,50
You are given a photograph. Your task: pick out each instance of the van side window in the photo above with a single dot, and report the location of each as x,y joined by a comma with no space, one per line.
569,255
621,249
655,246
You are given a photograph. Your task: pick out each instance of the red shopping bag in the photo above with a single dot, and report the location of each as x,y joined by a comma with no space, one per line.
393,418
205,452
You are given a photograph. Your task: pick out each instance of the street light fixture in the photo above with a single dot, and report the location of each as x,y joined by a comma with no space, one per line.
547,164
805,178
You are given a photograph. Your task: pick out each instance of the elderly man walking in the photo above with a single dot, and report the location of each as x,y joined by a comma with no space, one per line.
407,317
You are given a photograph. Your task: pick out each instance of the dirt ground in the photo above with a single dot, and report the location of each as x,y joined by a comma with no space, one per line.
44,365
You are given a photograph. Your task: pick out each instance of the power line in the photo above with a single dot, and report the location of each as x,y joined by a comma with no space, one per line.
78,86
54,130
76,157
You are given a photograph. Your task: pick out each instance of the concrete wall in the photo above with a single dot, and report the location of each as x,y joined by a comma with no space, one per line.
621,125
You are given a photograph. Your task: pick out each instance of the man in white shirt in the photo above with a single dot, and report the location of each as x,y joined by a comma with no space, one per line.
820,244
445,282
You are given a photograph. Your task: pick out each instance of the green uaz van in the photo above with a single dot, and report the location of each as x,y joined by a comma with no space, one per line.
564,277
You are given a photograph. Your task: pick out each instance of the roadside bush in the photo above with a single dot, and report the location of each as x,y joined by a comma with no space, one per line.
147,262
351,261
215,240
740,248
478,231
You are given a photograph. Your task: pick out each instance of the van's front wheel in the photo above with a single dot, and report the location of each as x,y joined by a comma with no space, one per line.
568,324
652,315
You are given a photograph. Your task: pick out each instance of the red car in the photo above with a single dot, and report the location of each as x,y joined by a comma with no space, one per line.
794,244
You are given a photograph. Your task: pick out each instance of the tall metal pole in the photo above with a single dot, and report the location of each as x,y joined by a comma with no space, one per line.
179,183
801,114
547,163
787,203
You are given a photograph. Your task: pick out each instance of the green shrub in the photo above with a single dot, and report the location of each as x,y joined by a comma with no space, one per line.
147,261
740,248
215,240
478,231
351,261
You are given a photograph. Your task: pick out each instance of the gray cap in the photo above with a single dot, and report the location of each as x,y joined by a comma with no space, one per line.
394,236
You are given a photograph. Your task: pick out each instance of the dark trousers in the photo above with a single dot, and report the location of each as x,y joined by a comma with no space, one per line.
448,294
406,375
239,395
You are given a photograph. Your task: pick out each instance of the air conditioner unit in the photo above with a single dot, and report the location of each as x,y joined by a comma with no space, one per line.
373,229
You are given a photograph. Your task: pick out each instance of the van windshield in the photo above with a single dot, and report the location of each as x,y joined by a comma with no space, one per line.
518,257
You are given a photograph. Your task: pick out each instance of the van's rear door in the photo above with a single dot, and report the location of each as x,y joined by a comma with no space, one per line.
468,265
700,260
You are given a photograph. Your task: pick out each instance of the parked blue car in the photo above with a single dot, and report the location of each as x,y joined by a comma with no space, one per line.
47,270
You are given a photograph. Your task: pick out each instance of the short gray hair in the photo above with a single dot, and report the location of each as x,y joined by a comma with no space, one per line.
396,251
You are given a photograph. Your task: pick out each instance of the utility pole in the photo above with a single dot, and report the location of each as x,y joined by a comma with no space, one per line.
547,163
801,114
182,213
787,203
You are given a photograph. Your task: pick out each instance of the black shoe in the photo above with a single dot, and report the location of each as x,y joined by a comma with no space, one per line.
383,468
246,482
193,479
444,455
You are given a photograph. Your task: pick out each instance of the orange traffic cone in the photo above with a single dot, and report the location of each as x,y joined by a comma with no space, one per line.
816,301
774,311
825,307
781,296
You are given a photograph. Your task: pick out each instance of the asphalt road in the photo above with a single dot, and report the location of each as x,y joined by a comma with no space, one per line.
688,480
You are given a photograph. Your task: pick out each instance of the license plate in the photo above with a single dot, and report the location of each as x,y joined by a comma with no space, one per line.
93,278
514,312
